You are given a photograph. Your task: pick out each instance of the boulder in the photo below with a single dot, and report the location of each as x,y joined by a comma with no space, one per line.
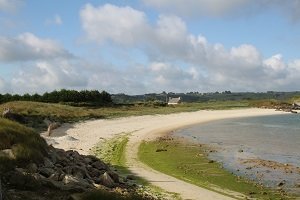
32,168
114,176
8,153
99,165
106,180
48,163
47,172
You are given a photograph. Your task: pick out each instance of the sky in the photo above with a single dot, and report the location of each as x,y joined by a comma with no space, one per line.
147,46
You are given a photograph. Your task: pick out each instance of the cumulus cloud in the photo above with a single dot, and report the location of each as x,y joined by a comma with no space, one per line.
47,76
28,47
122,25
221,8
10,5
180,60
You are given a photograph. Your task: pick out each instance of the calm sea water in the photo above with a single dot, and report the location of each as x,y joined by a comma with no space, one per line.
275,138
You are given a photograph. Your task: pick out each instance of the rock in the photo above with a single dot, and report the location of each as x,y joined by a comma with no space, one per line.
88,160
130,177
281,183
23,181
76,184
93,172
106,180
114,176
47,172
160,150
8,153
48,163
99,165
32,168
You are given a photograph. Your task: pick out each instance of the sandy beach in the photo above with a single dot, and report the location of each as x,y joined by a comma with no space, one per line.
83,136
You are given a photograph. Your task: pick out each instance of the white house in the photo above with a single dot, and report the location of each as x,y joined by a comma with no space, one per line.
174,101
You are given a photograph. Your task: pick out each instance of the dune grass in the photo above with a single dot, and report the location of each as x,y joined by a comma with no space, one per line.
25,144
188,162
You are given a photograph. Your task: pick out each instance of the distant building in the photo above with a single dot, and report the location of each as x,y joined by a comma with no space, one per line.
174,101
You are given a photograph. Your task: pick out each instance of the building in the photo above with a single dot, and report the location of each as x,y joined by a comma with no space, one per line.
174,101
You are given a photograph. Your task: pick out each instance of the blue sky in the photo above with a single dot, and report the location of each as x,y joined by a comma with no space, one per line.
137,47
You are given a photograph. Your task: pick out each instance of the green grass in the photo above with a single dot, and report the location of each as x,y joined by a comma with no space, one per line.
26,144
189,163
113,151
36,112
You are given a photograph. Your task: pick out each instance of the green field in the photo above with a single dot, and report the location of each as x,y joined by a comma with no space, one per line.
189,162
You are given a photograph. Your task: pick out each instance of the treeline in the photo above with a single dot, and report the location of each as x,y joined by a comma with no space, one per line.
191,97
93,97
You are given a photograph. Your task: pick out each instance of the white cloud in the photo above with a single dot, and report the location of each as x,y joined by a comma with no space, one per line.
170,48
122,25
47,76
28,47
56,20
10,5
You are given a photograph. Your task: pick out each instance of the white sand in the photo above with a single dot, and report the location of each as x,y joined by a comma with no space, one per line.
83,136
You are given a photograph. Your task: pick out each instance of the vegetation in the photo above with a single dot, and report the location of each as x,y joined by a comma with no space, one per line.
26,145
113,151
191,164
196,97
84,97
36,112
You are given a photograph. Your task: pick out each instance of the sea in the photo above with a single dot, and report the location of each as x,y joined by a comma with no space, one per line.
265,149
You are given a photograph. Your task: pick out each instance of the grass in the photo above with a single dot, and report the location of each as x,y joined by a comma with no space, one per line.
26,144
189,163
113,151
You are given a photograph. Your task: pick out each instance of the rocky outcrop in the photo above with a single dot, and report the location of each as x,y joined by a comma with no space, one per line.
65,172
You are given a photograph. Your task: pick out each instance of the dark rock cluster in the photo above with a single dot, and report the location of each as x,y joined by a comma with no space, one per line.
62,174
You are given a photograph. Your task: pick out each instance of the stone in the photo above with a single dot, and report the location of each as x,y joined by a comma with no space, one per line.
106,180
99,165
23,181
47,172
77,184
32,168
48,163
130,177
8,153
281,183
93,172
88,160
114,176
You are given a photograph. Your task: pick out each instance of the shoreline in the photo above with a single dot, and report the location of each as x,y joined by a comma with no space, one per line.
83,136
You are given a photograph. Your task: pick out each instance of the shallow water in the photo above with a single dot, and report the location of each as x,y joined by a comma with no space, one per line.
265,149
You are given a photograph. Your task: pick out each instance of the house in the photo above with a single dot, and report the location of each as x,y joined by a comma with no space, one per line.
174,101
